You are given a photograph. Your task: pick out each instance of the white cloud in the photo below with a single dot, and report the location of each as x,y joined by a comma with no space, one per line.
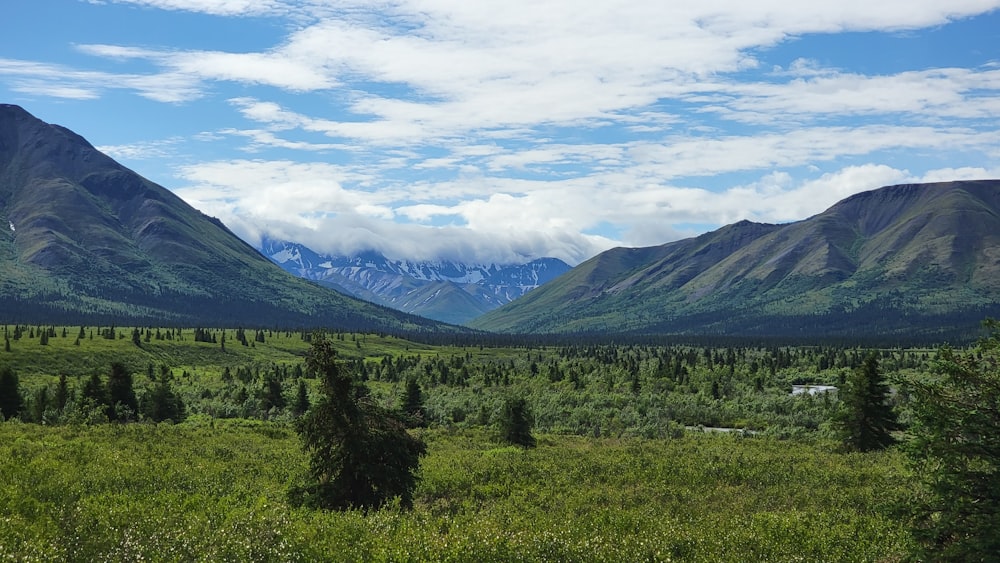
253,68
59,81
282,189
518,220
48,89
949,92
214,7
489,64
966,173
524,125
685,157
140,151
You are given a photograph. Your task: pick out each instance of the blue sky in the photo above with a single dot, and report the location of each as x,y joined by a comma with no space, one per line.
510,130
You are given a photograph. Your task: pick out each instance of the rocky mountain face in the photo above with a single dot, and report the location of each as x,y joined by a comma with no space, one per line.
908,259
450,292
86,240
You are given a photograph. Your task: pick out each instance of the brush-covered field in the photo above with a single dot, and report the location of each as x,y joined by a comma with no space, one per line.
615,476
215,491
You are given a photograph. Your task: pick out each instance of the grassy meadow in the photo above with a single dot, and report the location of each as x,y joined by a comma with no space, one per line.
615,476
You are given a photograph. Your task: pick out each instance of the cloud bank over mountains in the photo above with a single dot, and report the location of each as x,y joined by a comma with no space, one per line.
505,131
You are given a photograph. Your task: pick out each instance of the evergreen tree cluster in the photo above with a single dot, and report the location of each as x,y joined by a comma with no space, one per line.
955,450
96,399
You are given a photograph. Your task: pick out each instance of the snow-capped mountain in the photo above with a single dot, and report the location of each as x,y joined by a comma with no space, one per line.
446,291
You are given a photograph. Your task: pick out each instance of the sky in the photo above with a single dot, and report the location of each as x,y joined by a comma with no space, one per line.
503,131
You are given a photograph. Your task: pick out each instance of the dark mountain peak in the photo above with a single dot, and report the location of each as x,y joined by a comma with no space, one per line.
17,123
9,112
91,241
747,224
873,211
364,256
31,148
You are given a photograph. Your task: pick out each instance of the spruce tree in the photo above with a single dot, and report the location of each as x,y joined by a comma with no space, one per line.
62,393
122,402
40,403
161,402
94,390
301,405
955,512
360,454
11,401
413,404
272,395
866,420
516,422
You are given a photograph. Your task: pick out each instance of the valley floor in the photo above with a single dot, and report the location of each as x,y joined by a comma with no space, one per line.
214,490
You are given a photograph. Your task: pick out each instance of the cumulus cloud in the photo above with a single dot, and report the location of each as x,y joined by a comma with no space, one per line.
507,130
545,219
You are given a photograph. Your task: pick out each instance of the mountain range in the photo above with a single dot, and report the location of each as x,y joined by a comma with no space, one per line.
447,291
901,260
85,240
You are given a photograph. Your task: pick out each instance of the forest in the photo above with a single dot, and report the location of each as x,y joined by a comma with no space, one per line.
135,443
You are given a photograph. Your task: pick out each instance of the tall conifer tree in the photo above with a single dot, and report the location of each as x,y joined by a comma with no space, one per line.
866,419
121,395
11,401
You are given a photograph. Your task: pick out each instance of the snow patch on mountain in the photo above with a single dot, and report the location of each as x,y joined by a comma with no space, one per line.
286,255
432,288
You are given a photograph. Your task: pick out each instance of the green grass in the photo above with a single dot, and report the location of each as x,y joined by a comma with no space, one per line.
215,491
63,356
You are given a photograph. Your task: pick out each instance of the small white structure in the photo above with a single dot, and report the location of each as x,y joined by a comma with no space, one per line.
812,389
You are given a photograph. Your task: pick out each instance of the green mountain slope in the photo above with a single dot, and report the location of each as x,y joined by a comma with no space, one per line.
83,239
910,258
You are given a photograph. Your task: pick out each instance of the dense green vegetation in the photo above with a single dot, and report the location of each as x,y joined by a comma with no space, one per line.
955,450
614,474
215,490
649,390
